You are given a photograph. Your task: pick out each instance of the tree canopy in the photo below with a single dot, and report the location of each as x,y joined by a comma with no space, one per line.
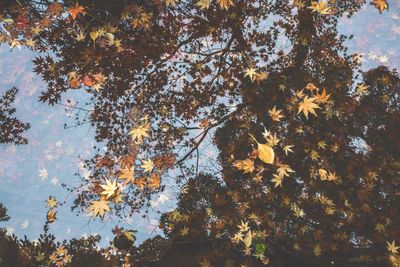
308,145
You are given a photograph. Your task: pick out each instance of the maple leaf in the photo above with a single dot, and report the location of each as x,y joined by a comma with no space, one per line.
362,89
127,161
30,42
323,174
88,81
154,182
392,247
147,165
51,216
164,162
308,106
284,170
138,133
287,149
311,87
320,7
272,140
55,9
380,227
277,180
184,231
225,4
381,5
171,2
244,226
265,152
323,97
203,4
141,183
109,188
322,144
105,162
297,211
262,76
130,235
317,250
275,114
251,72
205,263
43,173
52,202
118,198
237,237
75,10
331,176
247,165
98,207
127,174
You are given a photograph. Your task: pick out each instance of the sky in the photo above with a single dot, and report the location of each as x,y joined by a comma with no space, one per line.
29,174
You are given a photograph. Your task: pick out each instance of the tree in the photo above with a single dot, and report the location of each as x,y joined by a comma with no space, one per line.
3,213
304,173
10,127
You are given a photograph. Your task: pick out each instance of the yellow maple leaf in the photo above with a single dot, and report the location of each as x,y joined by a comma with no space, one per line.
297,211
284,170
362,89
98,208
52,202
323,174
118,198
320,7
381,5
277,180
138,133
171,2
322,144
275,114
109,188
392,247
331,176
184,231
203,4
380,227
287,149
130,235
272,140
225,4
147,165
317,250
244,226
262,76
308,106
251,72
205,263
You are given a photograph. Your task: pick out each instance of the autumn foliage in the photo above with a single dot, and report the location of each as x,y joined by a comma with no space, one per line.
307,144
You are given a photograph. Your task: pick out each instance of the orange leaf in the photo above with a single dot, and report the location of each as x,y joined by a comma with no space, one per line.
88,81
76,10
